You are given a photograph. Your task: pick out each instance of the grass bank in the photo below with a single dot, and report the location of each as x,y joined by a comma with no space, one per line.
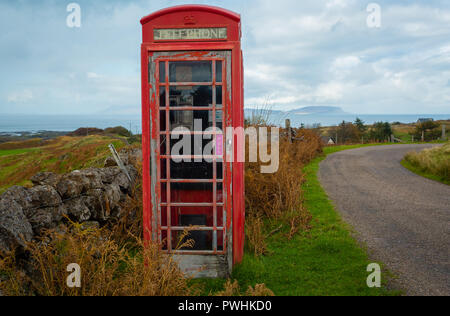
432,163
324,260
19,161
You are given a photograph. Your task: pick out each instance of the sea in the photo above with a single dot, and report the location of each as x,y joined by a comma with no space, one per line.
15,123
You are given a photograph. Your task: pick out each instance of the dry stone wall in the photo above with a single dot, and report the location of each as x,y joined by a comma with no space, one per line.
94,195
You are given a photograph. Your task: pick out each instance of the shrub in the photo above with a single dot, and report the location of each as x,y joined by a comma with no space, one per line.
380,132
119,130
233,289
109,268
431,130
278,196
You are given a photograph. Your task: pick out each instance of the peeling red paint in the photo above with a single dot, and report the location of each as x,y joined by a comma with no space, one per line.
229,52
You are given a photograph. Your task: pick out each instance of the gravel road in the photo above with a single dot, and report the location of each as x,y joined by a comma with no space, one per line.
404,219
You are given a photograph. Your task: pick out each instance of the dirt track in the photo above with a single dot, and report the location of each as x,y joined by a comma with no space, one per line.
404,219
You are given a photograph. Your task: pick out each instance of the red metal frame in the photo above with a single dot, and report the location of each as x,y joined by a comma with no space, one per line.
192,16
168,181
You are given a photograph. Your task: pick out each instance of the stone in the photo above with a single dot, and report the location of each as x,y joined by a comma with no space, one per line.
19,194
77,209
96,202
88,178
46,178
44,196
15,230
109,174
113,195
45,209
68,188
122,181
46,218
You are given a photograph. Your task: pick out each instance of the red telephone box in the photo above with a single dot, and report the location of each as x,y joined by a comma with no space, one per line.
192,75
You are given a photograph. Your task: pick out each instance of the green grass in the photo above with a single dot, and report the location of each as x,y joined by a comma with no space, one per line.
9,152
61,155
326,260
422,173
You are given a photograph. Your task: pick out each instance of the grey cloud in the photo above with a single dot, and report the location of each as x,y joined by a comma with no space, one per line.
297,53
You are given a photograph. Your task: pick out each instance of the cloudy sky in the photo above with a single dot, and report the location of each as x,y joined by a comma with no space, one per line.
297,53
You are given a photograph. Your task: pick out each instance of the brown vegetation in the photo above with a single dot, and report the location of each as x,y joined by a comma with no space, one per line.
109,267
30,143
233,289
433,161
278,196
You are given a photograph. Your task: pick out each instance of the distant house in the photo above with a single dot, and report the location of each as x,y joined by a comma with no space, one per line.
424,120
327,140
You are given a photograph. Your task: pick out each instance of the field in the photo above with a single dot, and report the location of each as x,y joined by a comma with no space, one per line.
431,163
19,161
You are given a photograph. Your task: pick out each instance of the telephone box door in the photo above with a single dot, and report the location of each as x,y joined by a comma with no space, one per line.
191,188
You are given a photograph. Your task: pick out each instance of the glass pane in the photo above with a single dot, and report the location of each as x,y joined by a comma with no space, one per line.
187,216
191,192
191,96
220,170
220,217
218,71
162,121
198,145
190,71
163,145
220,241
191,170
220,197
219,120
202,240
163,192
162,71
163,170
162,97
186,119
219,98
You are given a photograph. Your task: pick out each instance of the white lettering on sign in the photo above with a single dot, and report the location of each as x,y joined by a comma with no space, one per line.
219,33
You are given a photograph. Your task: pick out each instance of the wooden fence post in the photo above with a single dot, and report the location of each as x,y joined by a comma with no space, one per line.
289,130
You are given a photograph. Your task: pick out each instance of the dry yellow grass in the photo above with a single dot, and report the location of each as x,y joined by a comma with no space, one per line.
108,267
278,196
433,161
233,289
